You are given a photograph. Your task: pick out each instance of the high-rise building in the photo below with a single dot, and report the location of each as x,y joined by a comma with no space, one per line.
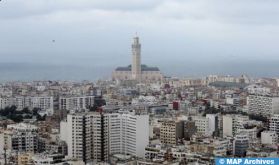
263,105
84,134
189,129
274,124
128,133
212,123
202,124
232,124
137,71
93,136
171,131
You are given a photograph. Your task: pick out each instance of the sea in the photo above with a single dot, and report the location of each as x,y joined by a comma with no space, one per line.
71,72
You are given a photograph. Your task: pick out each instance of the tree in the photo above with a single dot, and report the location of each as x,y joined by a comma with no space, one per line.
25,110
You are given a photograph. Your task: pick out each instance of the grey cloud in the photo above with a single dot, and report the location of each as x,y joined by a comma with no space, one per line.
230,11
98,30
10,9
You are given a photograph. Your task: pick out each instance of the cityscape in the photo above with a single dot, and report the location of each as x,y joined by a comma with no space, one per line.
140,117
139,114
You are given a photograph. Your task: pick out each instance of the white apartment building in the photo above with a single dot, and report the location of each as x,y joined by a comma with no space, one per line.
192,82
94,136
76,103
214,78
232,101
232,123
269,137
202,124
128,133
4,102
274,124
19,102
212,123
263,105
257,89
84,135
250,132
42,102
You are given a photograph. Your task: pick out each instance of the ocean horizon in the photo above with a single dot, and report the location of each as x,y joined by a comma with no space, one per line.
33,71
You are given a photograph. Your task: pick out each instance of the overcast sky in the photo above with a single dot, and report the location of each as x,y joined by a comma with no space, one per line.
99,32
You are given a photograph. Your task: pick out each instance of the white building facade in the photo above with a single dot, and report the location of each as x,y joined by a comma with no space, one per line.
44,103
76,102
202,124
269,137
263,105
105,134
274,124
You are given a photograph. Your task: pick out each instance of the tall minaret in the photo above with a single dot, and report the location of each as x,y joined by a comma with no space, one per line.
136,61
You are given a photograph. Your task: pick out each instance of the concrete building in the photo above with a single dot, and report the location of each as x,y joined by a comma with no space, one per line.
240,145
19,138
128,133
274,124
202,124
212,123
137,71
232,123
44,103
232,101
258,90
171,131
216,147
269,137
189,129
48,159
251,132
263,105
221,147
93,136
24,158
84,135
76,103
4,102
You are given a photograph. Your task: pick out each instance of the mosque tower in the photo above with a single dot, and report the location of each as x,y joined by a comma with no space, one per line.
136,59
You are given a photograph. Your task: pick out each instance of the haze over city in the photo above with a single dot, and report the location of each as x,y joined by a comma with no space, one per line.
139,82
90,38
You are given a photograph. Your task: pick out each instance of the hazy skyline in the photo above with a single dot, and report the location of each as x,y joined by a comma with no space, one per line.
98,33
